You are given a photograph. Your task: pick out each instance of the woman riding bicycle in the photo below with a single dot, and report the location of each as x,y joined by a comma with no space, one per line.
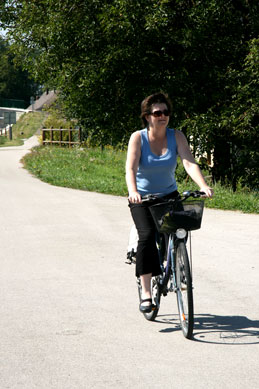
150,169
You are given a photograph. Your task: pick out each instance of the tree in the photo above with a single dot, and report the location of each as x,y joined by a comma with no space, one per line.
231,128
105,56
15,83
241,120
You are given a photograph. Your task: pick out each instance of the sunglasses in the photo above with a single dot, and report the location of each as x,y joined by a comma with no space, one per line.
159,113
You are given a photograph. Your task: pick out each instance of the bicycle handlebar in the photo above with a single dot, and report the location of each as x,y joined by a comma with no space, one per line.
185,195
195,194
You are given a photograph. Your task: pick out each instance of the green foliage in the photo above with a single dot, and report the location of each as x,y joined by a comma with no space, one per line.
231,129
56,118
180,173
14,82
106,56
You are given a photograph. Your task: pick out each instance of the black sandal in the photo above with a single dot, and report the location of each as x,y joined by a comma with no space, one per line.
145,308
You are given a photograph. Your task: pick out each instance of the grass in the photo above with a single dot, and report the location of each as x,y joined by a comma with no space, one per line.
104,172
224,198
86,169
6,142
25,127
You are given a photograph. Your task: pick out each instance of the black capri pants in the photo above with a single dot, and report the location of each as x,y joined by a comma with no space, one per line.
147,259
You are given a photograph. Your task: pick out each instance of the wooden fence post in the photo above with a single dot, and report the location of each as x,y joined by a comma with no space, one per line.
51,135
80,135
60,137
70,136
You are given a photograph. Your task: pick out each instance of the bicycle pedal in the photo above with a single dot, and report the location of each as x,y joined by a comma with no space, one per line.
130,261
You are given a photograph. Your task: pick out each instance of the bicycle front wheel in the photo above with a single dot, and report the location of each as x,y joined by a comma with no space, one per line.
184,290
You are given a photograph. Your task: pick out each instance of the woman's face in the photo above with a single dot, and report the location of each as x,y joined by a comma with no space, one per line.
159,116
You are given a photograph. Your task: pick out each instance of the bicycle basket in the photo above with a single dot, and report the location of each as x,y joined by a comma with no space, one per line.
170,216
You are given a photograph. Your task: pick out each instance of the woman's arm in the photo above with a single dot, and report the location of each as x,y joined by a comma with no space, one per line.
133,157
190,165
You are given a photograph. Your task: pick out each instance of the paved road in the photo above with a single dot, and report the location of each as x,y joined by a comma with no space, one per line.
69,313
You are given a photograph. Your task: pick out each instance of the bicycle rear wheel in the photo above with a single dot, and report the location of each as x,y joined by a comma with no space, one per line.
184,290
155,292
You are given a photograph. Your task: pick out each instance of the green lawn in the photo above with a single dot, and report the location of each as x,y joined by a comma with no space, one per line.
104,171
86,169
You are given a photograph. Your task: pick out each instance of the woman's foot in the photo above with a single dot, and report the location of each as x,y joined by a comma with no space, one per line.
145,305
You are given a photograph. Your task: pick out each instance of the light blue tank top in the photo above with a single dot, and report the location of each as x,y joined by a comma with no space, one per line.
156,174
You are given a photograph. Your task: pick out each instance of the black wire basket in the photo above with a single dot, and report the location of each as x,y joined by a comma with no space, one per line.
169,216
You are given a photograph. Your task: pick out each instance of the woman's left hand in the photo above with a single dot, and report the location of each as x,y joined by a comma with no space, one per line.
209,192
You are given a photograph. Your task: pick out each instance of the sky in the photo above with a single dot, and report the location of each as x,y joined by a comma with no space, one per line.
2,32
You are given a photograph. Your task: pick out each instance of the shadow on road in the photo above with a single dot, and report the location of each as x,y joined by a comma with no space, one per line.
217,329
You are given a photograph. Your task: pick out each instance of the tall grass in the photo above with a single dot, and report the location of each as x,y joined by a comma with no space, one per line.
104,171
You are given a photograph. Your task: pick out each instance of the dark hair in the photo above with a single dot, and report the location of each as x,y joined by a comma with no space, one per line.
156,98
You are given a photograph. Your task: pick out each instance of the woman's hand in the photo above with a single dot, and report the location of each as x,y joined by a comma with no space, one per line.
134,197
209,192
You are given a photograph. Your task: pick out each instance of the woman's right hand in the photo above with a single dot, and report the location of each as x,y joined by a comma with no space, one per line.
134,197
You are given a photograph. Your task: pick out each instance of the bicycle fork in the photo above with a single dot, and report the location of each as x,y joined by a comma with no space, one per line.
169,271
173,285
171,256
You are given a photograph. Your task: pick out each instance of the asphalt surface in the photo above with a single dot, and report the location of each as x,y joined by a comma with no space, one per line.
69,305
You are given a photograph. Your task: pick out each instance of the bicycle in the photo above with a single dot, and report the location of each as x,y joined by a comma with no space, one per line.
174,220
